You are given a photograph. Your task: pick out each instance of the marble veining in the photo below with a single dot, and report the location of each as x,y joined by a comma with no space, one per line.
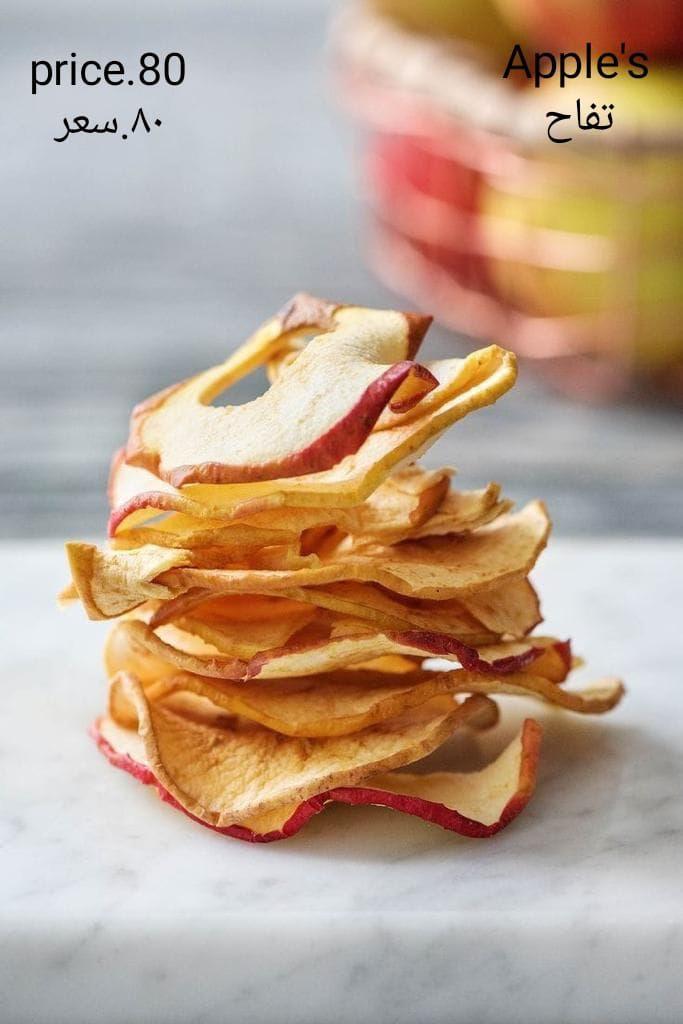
115,909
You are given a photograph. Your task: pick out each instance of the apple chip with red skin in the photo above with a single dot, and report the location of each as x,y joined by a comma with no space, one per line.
316,648
255,784
346,701
320,409
511,608
465,385
399,506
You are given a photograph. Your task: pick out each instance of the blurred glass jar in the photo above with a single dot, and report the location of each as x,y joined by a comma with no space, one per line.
571,254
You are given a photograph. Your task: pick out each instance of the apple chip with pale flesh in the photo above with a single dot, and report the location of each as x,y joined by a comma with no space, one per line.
319,410
482,378
256,784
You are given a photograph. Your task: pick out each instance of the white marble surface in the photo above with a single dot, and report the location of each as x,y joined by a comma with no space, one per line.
116,909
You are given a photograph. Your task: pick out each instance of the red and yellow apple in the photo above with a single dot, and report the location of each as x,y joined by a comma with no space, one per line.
431,197
474,21
595,227
654,27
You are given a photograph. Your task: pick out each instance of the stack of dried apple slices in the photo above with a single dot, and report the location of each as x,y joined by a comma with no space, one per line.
283,572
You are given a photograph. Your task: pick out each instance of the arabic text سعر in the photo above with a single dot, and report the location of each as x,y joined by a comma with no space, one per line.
81,125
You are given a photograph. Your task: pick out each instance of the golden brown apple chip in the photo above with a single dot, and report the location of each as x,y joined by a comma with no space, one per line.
554,660
230,772
182,531
227,639
123,654
231,607
359,600
511,609
476,804
107,580
251,608
137,495
343,702
394,664
404,502
435,568
462,512
456,512
222,651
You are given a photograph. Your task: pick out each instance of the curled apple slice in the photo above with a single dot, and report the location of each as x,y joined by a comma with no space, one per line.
408,505
182,531
343,702
227,772
319,410
460,512
403,503
196,767
360,600
511,609
434,568
222,651
474,382
104,580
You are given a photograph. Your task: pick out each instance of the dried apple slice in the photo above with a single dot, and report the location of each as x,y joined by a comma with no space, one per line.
313,650
195,639
249,608
461,512
230,772
405,501
436,568
182,531
476,804
439,512
105,580
554,657
343,702
511,609
320,409
453,376
139,494
360,600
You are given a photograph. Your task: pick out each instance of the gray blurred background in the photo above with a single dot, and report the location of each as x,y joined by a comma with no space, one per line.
126,265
